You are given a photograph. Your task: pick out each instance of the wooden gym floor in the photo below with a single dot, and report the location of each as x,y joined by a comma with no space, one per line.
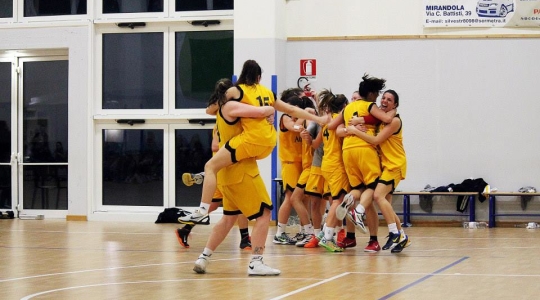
55,259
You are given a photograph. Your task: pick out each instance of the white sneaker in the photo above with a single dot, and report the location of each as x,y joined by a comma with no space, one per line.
200,265
197,217
359,221
258,268
344,207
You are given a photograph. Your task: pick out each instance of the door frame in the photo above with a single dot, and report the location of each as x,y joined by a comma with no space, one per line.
18,57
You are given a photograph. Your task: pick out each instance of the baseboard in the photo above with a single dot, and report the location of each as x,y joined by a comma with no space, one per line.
76,218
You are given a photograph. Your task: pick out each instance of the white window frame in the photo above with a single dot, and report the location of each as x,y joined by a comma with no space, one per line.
98,79
168,111
194,113
19,13
98,205
98,211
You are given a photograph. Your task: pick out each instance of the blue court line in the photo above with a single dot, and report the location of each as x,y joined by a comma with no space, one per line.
422,279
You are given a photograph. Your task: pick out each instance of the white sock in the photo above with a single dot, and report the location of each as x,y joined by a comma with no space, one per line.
329,233
204,207
281,228
256,257
316,231
207,252
308,229
392,227
360,209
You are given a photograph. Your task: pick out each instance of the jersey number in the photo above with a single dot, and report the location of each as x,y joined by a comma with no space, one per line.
263,101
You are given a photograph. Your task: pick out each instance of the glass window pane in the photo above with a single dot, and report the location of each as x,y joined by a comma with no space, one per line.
190,5
5,187
193,149
132,6
133,167
5,112
6,8
201,58
45,187
133,71
45,110
41,8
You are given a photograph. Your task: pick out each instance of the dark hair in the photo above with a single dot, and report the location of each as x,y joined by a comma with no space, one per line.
370,85
218,96
330,102
286,94
250,73
296,101
308,102
396,96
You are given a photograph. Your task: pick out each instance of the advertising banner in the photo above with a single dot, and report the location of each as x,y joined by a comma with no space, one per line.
481,13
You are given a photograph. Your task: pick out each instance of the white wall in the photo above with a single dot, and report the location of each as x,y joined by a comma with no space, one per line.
468,105
76,40
324,18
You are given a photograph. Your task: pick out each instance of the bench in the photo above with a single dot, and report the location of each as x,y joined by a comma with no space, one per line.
493,209
278,192
407,205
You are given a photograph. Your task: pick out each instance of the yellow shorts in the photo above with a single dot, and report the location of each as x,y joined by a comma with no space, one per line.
303,179
218,196
316,185
290,172
241,150
363,167
248,197
338,182
391,177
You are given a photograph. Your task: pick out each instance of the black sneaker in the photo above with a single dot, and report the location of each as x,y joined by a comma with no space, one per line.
245,243
393,240
404,244
182,236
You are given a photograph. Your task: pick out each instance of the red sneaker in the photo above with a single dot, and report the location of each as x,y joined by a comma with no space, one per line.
313,243
347,243
341,236
373,246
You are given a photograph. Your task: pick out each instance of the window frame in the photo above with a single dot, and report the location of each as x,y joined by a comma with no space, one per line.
169,110
169,164
19,13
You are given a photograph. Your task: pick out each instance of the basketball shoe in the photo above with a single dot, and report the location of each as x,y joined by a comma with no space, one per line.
182,236
258,268
372,247
197,217
393,240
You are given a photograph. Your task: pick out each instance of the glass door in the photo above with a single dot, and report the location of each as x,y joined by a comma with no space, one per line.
42,137
7,137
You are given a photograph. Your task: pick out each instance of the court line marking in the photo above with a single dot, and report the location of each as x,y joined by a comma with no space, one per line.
423,278
144,281
108,269
310,286
435,273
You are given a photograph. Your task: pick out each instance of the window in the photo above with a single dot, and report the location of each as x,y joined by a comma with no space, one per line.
193,148
40,8
6,8
201,58
132,6
132,167
133,71
192,5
